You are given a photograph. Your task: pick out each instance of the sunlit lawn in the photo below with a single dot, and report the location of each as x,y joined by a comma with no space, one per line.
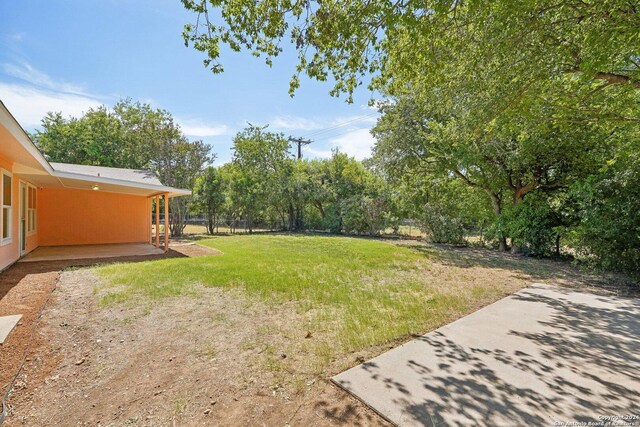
357,292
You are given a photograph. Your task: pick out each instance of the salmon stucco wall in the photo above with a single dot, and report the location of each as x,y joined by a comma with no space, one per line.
82,217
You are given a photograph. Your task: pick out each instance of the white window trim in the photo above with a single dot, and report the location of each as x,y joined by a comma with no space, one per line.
35,210
6,241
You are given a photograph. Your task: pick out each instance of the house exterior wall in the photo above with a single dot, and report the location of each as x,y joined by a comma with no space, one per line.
81,217
10,252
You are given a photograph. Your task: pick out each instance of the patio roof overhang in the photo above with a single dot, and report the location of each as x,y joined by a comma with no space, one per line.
86,182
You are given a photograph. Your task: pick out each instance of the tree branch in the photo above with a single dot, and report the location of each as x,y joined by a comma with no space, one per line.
611,78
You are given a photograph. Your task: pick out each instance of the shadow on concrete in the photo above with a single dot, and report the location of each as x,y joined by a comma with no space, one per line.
576,358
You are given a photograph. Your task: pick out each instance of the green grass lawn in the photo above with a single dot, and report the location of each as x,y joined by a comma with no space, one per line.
354,292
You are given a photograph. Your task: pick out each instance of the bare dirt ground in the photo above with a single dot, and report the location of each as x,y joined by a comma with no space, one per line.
215,358
187,361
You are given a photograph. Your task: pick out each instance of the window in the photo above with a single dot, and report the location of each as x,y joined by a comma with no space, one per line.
6,207
31,209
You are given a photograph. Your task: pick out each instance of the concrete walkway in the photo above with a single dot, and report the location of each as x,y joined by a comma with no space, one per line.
7,323
541,356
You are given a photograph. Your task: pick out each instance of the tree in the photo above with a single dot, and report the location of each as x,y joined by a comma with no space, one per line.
262,163
519,153
98,138
209,196
231,208
122,136
178,165
453,45
607,230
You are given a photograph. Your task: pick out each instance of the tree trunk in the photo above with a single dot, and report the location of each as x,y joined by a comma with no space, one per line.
518,195
299,224
497,209
178,217
210,222
282,220
292,218
320,208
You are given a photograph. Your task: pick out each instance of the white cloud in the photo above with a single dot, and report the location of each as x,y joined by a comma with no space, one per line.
16,37
31,75
294,123
199,128
357,143
30,104
38,93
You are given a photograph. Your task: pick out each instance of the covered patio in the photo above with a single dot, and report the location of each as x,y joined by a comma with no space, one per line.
87,211
114,250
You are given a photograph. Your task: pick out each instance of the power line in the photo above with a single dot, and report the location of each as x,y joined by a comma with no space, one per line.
335,135
300,141
339,125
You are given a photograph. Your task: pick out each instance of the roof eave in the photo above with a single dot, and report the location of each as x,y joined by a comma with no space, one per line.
156,189
23,138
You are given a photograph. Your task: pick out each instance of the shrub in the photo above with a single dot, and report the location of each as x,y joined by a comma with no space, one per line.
440,225
531,224
609,230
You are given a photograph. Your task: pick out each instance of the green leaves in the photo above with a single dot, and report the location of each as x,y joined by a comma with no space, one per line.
502,48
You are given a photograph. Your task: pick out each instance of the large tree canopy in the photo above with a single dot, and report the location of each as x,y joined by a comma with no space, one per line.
507,44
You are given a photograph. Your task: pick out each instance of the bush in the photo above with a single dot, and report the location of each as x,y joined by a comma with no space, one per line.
353,221
609,229
441,226
532,225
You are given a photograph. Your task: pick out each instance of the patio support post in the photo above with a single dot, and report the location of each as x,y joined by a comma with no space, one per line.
157,221
150,207
166,222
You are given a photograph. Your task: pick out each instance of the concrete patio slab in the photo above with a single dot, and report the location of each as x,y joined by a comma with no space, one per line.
56,253
7,323
541,357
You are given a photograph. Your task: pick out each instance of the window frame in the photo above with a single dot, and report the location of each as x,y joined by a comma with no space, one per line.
34,230
6,241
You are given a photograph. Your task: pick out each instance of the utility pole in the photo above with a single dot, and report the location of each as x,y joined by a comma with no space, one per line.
299,220
300,142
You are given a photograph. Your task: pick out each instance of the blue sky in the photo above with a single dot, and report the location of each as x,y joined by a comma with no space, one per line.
71,55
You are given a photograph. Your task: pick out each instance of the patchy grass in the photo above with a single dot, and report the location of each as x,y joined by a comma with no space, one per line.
354,292
310,305
206,351
181,405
